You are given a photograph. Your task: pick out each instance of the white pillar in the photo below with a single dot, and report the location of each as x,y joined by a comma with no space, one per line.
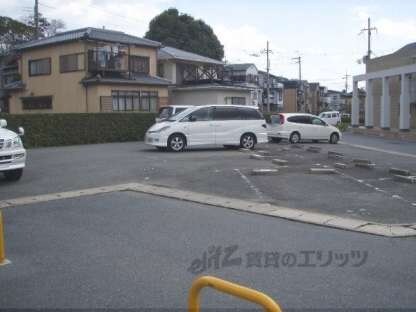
404,120
355,106
385,104
369,105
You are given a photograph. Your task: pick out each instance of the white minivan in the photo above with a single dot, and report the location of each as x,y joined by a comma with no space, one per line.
297,126
332,118
12,152
225,125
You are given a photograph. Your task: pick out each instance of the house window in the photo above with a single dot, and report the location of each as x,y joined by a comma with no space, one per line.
149,101
71,62
40,67
237,100
37,102
126,101
139,64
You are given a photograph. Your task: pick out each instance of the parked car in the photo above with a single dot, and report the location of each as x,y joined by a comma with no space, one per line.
12,152
227,125
169,111
297,127
332,118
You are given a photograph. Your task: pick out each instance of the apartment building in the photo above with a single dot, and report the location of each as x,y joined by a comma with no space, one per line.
87,70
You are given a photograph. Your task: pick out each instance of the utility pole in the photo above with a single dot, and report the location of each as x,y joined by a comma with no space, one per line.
36,18
346,77
298,60
267,51
369,31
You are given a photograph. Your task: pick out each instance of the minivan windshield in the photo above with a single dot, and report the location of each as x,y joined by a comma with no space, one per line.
181,114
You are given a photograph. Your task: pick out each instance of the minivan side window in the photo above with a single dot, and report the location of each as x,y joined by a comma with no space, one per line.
300,119
226,113
249,114
202,114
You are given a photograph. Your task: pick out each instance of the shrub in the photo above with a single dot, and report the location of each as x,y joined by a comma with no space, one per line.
73,129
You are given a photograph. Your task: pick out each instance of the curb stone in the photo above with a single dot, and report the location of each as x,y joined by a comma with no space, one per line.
267,209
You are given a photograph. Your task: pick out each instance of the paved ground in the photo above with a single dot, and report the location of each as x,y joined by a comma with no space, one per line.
358,193
127,250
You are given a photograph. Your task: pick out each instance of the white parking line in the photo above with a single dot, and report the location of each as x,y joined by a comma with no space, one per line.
250,185
374,149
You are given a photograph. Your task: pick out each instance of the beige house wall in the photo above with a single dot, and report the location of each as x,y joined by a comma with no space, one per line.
68,94
205,97
290,100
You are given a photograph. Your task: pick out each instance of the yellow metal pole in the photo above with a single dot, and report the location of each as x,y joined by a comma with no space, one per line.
2,252
229,288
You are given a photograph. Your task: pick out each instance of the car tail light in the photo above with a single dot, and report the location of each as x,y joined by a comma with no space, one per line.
281,119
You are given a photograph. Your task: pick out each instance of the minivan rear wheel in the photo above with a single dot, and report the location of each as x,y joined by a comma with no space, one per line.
294,138
248,141
176,143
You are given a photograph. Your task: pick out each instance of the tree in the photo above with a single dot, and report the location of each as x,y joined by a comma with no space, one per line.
13,32
54,27
42,22
184,32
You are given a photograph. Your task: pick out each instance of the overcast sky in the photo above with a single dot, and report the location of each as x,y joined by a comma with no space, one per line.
323,32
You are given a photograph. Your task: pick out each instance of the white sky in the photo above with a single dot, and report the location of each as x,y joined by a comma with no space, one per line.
323,32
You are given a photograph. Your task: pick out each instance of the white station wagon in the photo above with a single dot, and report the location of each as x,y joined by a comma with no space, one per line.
224,125
12,152
296,127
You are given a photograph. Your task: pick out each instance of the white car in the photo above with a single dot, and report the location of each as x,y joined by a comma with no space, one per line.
12,152
332,118
226,125
169,111
297,127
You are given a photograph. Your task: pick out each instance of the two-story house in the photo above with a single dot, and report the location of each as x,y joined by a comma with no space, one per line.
246,75
198,80
87,70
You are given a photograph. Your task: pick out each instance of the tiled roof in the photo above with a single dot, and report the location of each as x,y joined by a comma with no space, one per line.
138,80
90,33
169,53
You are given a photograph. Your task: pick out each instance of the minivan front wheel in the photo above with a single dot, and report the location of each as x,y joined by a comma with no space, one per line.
334,138
248,141
176,143
294,138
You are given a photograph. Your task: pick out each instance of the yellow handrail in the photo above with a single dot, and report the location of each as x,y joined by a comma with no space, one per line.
229,288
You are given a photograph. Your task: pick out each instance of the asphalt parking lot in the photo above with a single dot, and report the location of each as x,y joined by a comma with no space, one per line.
369,194
126,249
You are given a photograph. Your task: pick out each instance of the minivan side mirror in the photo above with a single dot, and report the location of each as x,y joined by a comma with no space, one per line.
192,118
3,123
21,131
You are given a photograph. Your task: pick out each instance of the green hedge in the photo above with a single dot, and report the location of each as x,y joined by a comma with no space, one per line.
72,129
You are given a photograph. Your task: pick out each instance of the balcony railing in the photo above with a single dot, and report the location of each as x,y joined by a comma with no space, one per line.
104,61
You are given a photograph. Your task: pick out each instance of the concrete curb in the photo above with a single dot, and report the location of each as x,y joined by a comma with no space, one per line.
322,171
264,172
321,219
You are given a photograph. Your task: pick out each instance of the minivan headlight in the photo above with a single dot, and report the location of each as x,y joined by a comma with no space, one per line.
17,142
159,130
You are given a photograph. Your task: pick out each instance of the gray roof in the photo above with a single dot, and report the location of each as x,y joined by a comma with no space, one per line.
212,86
170,53
138,80
90,33
239,67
